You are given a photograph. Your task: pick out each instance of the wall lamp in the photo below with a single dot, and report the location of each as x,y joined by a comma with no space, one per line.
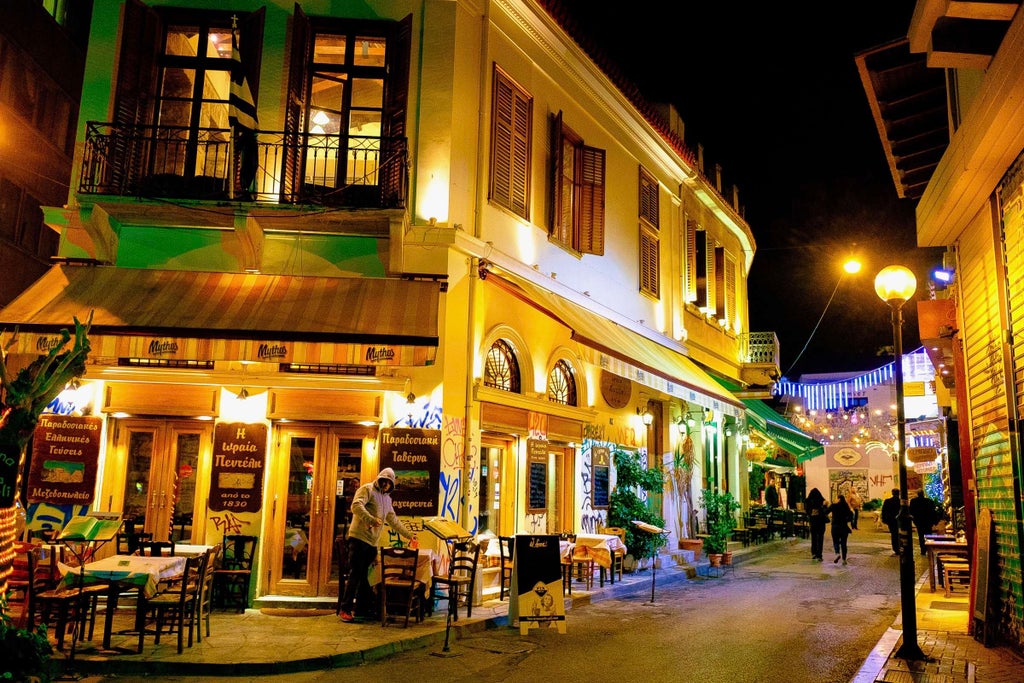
645,415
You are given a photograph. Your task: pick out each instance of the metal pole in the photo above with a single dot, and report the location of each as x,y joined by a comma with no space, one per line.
909,649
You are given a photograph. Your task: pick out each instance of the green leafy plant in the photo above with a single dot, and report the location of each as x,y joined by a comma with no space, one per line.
626,505
719,511
25,655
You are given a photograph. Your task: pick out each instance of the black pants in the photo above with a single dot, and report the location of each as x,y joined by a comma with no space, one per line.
839,544
856,514
361,556
894,535
817,539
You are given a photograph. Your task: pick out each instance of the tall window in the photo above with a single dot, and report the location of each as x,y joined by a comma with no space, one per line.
725,287
649,240
501,369
511,131
562,384
578,197
690,260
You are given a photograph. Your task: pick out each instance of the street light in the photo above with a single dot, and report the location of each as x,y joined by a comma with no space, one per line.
895,285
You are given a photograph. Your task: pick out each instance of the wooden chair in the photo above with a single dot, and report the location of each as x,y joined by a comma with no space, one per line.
619,555
461,577
401,593
506,546
128,542
156,548
232,579
578,564
205,603
174,610
61,606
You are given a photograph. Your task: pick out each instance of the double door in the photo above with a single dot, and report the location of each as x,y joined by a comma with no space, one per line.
318,470
162,494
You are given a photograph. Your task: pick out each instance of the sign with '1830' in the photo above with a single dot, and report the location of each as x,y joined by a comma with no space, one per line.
239,457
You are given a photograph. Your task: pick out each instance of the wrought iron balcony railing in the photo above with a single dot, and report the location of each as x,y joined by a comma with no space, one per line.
174,162
761,348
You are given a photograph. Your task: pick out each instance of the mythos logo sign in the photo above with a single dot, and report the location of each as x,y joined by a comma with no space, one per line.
379,354
271,351
162,347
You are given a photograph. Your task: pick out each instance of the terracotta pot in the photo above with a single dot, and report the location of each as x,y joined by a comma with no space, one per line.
715,559
694,544
727,558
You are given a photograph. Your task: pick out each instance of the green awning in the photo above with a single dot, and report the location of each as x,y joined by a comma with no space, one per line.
788,436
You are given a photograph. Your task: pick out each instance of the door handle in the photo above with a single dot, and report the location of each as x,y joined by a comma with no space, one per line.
318,505
163,499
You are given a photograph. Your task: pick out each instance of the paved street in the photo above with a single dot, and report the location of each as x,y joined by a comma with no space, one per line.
778,617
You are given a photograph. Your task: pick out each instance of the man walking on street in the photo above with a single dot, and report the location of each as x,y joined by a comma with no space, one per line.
890,518
922,511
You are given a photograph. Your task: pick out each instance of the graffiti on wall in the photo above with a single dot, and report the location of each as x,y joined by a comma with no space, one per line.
228,523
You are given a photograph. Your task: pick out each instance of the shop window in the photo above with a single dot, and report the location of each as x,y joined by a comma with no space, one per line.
562,384
501,371
511,132
578,195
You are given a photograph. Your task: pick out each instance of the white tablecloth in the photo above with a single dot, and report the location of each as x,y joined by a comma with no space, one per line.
136,570
600,547
190,549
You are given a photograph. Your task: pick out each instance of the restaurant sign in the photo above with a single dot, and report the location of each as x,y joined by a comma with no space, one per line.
415,456
239,456
65,453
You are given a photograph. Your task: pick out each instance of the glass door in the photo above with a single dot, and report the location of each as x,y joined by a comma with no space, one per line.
161,460
320,470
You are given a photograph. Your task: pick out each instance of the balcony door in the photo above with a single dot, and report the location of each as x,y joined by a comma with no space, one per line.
162,467
318,470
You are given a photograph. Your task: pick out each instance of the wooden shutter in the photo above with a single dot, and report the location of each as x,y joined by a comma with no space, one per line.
510,145
700,262
561,186
648,261
719,265
135,97
590,175
396,99
729,314
251,49
690,260
649,199
294,107
711,278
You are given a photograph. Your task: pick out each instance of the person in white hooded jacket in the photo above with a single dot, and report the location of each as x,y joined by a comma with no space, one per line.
371,507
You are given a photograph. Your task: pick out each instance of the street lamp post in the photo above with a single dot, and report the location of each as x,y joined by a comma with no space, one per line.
895,285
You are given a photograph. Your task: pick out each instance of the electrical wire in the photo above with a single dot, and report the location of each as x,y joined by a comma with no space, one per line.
816,326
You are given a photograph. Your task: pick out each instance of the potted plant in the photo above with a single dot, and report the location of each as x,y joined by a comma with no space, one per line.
25,655
626,504
719,513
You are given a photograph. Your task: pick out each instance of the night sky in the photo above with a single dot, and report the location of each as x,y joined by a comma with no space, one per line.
772,93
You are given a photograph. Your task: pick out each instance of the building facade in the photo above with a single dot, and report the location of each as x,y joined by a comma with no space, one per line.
959,153
450,243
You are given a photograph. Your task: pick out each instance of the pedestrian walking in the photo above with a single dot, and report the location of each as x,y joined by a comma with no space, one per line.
371,507
841,518
890,518
817,516
922,511
853,499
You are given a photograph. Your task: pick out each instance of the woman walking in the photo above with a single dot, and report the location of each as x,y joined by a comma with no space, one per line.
842,515
817,516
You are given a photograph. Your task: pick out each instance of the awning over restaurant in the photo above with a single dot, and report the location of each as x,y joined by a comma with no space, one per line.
190,316
788,436
624,352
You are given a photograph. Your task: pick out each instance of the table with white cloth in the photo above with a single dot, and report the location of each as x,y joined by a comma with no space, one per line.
190,549
120,572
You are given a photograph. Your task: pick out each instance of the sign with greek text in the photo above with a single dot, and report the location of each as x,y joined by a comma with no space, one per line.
415,456
239,456
65,453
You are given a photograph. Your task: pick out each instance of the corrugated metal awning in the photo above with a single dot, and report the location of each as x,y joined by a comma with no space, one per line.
624,352
186,315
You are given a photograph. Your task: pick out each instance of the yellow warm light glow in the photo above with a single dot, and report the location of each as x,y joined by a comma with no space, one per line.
434,200
852,266
252,408
895,283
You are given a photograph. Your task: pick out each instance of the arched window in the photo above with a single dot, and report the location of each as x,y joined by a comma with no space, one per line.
502,369
562,384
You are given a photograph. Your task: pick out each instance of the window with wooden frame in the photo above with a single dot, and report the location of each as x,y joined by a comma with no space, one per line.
511,132
650,271
725,288
501,369
711,307
577,215
562,384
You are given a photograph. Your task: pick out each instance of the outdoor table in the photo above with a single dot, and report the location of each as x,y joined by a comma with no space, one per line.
936,544
121,571
601,547
190,549
426,562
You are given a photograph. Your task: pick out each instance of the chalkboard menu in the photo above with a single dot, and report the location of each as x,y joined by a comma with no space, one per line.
236,479
601,469
537,476
983,567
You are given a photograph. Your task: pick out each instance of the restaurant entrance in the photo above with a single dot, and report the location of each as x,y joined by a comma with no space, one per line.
319,469
161,461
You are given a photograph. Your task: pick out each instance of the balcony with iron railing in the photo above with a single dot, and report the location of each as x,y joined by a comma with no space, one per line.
170,162
760,358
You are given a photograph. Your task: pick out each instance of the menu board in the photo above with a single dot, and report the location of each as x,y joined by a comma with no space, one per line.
65,452
983,567
536,592
537,476
601,473
239,457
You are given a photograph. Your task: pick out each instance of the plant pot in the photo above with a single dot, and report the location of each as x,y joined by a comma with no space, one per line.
694,544
715,559
727,558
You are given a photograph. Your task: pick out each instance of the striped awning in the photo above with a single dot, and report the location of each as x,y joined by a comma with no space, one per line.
624,352
761,417
199,316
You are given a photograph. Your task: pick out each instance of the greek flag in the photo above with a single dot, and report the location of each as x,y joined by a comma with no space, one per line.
241,108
